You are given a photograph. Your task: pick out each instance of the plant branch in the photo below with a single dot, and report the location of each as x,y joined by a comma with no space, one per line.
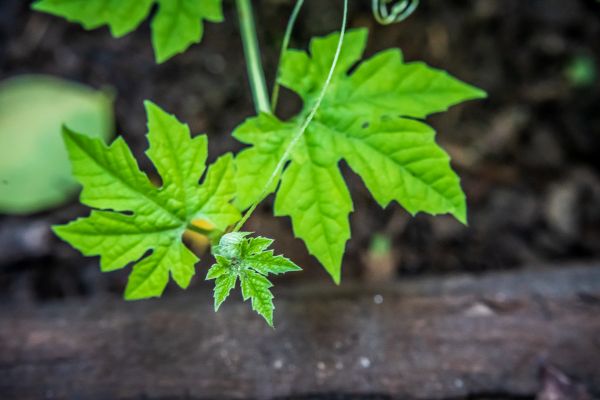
303,127
284,46
256,76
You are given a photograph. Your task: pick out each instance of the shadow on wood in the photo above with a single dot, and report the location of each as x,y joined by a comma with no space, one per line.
425,339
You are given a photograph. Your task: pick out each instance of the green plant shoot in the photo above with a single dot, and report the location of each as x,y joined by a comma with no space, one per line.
247,259
366,112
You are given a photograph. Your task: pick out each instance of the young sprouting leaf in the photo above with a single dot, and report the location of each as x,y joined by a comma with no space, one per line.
176,25
223,285
134,216
256,288
247,259
367,117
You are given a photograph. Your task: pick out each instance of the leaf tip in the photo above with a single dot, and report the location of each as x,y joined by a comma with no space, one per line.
60,231
333,266
130,295
294,267
461,216
133,294
479,93
160,55
336,274
66,132
38,6
149,104
138,291
460,213
71,139
153,110
362,33
268,317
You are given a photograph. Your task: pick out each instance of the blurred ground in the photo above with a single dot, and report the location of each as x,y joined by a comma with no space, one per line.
527,154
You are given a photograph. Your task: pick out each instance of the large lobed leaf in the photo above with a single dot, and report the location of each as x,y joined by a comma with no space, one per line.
176,25
134,216
367,117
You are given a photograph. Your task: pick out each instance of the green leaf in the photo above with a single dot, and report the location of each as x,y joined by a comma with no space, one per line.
266,263
256,288
254,165
367,117
176,25
134,215
247,258
223,286
258,244
121,16
34,167
218,269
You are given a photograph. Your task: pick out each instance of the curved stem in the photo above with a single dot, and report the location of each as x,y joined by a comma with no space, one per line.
399,11
256,76
303,127
284,46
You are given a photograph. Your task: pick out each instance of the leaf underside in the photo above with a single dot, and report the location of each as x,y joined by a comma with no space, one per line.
368,118
176,25
132,217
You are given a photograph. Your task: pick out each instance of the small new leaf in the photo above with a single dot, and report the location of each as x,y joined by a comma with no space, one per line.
133,216
256,288
247,259
368,118
175,26
223,285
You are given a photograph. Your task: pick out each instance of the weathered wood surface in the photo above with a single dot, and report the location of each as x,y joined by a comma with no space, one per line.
423,339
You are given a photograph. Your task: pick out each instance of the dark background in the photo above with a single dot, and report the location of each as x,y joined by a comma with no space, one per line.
527,155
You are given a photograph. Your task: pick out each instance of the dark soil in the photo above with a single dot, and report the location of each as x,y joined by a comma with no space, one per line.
527,154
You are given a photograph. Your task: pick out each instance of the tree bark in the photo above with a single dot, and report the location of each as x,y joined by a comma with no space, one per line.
432,338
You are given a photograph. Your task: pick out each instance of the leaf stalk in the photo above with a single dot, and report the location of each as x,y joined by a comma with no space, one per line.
256,75
284,46
301,128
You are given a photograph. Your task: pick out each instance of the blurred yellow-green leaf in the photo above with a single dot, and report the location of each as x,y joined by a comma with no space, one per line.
35,173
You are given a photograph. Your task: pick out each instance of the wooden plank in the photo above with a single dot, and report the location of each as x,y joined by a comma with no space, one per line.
422,339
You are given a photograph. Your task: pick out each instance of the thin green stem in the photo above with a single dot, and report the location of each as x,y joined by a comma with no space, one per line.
256,76
302,128
284,45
